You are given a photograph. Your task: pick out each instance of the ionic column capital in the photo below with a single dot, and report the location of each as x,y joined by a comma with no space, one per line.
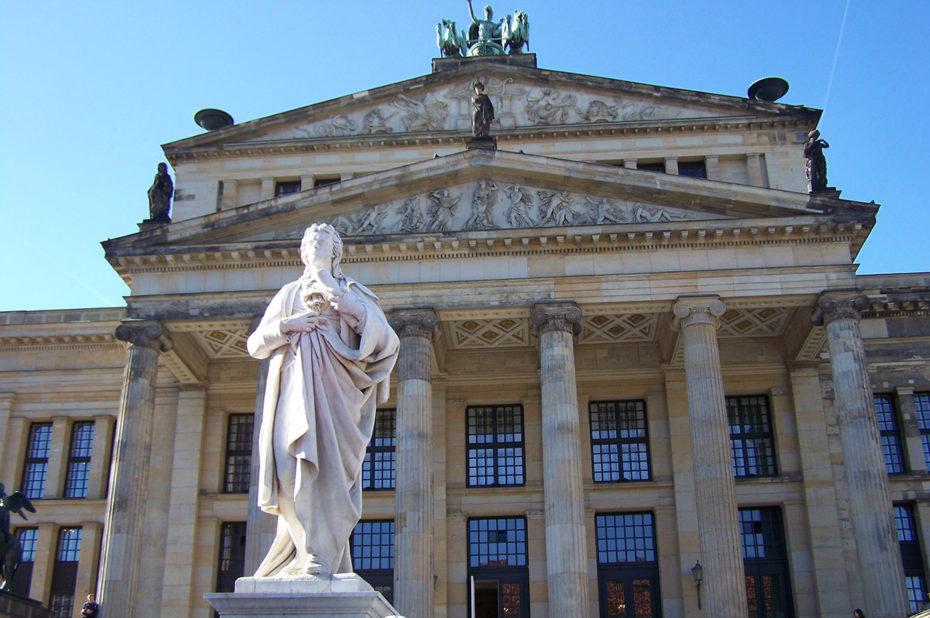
559,316
839,304
144,334
690,310
414,322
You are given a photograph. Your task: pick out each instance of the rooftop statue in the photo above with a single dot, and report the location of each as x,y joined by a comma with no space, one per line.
332,352
160,195
482,112
485,37
816,162
10,550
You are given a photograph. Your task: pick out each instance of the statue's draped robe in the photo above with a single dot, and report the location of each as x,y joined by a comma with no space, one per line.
323,387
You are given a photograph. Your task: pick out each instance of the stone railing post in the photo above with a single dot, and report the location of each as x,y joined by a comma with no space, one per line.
413,501
122,553
724,589
877,549
563,489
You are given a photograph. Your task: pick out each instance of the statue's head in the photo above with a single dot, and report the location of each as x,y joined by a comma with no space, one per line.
327,233
478,86
488,12
814,134
162,168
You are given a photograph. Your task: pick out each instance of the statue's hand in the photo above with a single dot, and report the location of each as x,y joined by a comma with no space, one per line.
302,323
348,304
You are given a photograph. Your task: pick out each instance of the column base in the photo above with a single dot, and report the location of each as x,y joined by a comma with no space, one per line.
345,595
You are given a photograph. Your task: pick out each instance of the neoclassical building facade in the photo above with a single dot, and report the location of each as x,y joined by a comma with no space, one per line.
638,374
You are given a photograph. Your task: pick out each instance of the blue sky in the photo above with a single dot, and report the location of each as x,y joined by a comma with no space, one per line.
92,89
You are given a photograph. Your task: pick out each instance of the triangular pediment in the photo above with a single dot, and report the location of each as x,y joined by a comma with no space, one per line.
525,99
482,191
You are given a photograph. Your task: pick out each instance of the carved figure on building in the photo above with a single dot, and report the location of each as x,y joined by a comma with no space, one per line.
10,549
605,211
816,162
339,125
370,220
450,43
160,195
375,122
521,206
548,108
331,354
482,203
482,111
442,210
411,217
515,34
558,208
422,115
599,111
484,35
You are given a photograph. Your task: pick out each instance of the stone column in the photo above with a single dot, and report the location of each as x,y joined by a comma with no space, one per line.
907,411
563,489
6,405
724,588
260,527
99,458
181,543
126,501
86,580
413,501
870,508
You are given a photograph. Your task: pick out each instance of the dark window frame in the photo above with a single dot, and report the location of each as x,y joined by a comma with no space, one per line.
752,440
656,167
230,562
889,429
911,555
33,481
379,466
765,555
374,561
613,548
693,168
624,413
513,563
237,462
64,571
79,455
286,187
482,447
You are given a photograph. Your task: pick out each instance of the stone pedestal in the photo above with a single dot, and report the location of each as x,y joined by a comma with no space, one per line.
15,606
714,487
413,502
563,488
870,508
344,596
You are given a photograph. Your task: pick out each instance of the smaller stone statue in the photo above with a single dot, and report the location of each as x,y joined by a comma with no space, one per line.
816,162
160,195
10,549
482,111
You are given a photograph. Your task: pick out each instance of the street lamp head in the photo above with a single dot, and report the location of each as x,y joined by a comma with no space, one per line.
697,572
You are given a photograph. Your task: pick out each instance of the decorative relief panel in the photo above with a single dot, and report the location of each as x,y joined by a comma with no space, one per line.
618,328
765,322
485,205
223,343
481,333
515,105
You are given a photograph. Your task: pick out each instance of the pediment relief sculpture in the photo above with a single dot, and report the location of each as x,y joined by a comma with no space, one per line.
518,105
493,205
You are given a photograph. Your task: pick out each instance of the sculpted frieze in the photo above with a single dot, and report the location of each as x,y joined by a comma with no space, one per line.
487,205
517,105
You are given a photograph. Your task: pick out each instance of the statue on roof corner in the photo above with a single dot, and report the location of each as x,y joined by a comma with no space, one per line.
816,162
160,195
485,37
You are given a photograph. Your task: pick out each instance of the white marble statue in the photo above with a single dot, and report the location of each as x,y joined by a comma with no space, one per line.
332,352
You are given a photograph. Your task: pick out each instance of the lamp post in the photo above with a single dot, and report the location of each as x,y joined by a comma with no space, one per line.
697,572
